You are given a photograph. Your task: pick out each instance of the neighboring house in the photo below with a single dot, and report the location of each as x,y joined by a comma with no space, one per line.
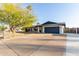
48,27
77,30
71,30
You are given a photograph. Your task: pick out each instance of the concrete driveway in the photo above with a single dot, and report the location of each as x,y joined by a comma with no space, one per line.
72,45
35,45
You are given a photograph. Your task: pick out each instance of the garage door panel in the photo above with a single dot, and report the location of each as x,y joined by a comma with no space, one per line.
52,30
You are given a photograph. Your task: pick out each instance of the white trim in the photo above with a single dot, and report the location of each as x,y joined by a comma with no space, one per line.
61,28
38,29
43,29
51,25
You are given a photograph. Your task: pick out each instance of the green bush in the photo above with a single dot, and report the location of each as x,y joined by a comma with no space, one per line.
2,28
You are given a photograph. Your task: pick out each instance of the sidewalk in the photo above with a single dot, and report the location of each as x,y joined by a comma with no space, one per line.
5,50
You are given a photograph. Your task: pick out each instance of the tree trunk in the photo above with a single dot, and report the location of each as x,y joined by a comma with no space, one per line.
12,32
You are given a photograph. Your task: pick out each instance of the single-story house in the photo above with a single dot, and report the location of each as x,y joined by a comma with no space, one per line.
48,27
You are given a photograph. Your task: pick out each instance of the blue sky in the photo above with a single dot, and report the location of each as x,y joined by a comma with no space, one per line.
57,12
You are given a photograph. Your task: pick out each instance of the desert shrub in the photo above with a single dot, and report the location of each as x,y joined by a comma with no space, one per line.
2,28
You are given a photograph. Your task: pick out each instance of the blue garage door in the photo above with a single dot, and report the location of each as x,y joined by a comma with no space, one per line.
52,30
